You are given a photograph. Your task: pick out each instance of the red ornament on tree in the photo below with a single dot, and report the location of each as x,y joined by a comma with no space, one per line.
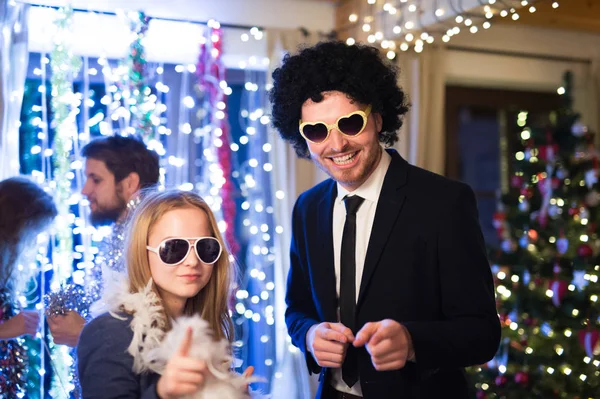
503,317
499,221
501,380
559,289
589,339
585,251
527,192
555,183
533,235
522,378
530,321
548,152
516,181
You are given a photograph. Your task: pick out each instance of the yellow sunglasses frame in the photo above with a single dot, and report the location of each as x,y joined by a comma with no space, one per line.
365,115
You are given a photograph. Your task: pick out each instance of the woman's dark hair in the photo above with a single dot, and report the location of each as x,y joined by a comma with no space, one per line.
123,155
25,210
359,71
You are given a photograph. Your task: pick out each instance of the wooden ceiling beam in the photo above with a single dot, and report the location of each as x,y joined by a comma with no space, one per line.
576,15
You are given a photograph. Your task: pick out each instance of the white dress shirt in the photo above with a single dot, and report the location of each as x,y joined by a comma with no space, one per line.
365,216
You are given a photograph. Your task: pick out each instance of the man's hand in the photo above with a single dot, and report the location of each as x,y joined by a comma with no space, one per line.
328,343
388,342
66,329
25,323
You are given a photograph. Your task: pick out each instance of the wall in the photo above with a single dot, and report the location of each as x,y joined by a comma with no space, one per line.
312,14
173,42
545,55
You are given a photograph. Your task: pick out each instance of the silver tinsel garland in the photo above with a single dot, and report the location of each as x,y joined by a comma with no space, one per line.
14,362
70,297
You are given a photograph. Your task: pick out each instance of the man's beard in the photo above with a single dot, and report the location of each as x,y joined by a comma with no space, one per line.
106,216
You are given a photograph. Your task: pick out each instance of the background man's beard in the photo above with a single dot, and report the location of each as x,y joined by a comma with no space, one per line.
107,216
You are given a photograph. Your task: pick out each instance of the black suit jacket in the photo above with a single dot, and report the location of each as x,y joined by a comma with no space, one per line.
425,267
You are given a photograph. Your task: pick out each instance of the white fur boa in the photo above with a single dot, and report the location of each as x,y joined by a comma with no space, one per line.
151,348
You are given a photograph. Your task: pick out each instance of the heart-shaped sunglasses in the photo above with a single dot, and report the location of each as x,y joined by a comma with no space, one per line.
350,125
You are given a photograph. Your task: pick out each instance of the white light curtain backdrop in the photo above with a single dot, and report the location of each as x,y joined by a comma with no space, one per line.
13,68
292,176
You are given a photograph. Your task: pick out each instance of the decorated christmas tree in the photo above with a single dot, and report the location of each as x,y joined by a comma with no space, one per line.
546,270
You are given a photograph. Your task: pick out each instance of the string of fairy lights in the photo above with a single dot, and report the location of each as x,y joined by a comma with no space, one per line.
404,24
132,96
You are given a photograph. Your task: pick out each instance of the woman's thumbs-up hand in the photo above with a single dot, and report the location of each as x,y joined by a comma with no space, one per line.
183,375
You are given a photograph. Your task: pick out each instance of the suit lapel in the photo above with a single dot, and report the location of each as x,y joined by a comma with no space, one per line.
389,206
323,261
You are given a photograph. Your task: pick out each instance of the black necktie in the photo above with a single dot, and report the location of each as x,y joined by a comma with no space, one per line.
348,286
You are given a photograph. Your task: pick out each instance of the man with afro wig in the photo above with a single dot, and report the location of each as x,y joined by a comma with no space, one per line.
389,293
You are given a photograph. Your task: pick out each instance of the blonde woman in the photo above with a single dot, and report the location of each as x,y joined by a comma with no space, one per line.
177,266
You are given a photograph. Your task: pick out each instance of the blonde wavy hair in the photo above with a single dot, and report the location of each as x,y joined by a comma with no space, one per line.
211,303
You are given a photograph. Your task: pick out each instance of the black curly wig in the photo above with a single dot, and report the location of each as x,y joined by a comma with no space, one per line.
359,71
